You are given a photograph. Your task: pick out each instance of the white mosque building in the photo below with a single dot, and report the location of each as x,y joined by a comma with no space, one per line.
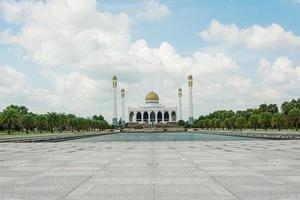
152,111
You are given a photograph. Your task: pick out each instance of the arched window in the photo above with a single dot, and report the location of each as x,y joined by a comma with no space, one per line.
138,117
152,117
173,116
131,116
159,116
145,116
166,116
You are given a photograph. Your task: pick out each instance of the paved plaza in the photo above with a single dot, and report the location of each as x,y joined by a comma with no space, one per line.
150,170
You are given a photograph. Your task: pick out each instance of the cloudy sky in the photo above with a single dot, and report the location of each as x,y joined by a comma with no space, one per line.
60,55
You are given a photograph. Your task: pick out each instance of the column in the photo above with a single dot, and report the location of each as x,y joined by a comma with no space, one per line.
179,116
163,116
142,112
123,107
134,117
190,83
155,112
115,117
149,113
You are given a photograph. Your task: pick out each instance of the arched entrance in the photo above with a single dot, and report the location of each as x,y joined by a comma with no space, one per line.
173,116
145,116
159,116
166,116
138,117
131,115
152,117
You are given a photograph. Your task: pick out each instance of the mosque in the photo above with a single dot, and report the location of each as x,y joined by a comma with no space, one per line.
152,112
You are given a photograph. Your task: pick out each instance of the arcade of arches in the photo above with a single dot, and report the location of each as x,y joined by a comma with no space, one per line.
152,116
152,111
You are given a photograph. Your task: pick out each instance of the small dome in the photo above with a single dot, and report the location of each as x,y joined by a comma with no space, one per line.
180,92
123,92
190,77
151,96
114,78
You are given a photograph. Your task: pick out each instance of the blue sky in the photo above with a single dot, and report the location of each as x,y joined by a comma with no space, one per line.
60,55
192,16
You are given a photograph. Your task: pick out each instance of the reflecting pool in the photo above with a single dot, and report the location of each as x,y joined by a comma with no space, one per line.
163,136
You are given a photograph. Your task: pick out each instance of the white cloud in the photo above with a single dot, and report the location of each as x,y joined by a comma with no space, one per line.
254,37
79,93
153,10
14,11
79,49
70,33
282,78
16,88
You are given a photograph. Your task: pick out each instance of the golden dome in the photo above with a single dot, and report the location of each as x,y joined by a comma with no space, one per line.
152,96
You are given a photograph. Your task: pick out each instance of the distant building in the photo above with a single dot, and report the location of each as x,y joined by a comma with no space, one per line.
152,112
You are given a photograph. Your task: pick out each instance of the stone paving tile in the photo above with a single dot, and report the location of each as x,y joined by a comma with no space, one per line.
228,170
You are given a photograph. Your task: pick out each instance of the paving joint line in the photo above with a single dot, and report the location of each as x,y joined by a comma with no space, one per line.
100,169
207,174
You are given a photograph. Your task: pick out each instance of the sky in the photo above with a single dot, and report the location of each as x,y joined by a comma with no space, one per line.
60,55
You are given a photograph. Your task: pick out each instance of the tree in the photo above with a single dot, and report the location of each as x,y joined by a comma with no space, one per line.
272,108
231,121
223,124
278,121
62,121
21,109
100,118
217,123
207,123
27,122
294,117
41,122
287,106
263,108
181,123
74,124
10,118
53,120
240,122
226,123
264,119
253,121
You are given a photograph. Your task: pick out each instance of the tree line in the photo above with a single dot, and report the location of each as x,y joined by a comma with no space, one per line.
264,117
18,118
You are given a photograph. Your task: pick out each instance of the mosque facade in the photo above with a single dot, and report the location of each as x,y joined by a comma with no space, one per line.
152,111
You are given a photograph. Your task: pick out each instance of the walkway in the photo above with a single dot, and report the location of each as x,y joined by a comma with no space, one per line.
159,170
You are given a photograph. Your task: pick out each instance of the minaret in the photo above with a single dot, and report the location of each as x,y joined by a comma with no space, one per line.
190,82
179,104
114,85
123,107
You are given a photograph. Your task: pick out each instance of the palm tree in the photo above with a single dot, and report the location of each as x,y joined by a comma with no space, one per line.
10,118
240,122
232,122
294,117
73,123
264,119
278,120
27,122
253,121
41,122
53,120
62,121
